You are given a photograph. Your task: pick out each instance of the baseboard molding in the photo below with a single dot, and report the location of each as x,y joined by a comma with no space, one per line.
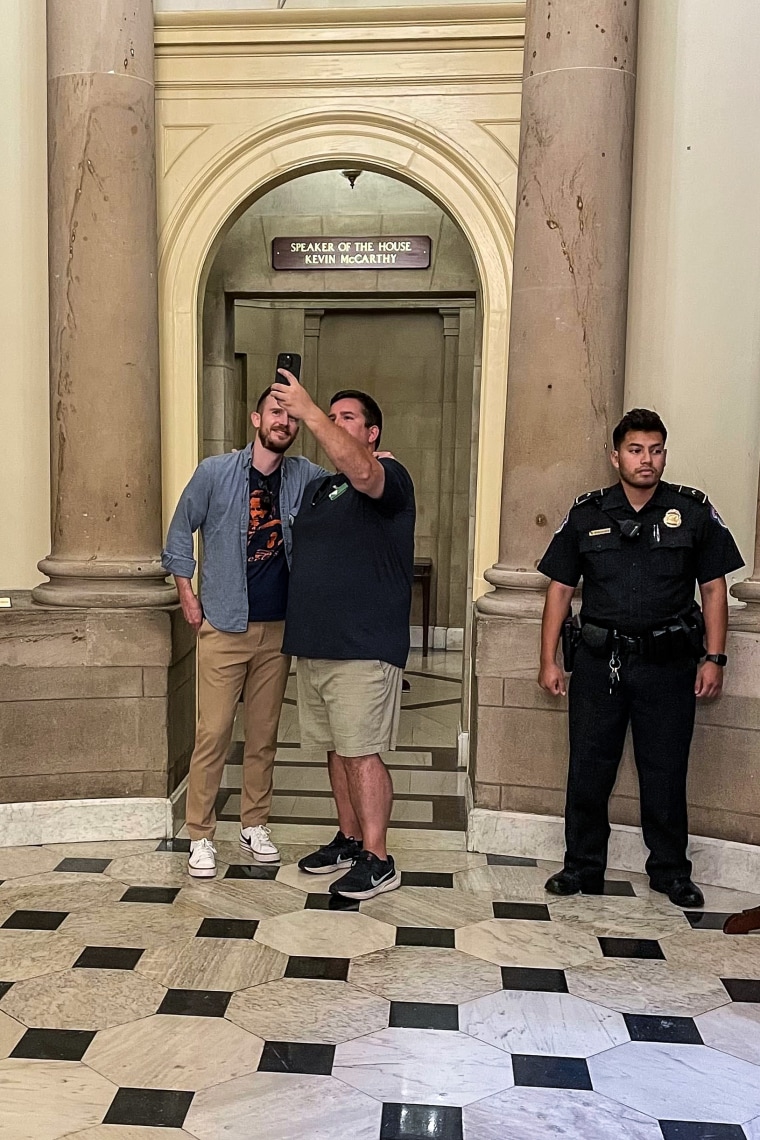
76,821
717,862
450,638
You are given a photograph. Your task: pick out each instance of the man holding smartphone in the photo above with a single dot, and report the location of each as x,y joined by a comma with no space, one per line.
348,624
243,504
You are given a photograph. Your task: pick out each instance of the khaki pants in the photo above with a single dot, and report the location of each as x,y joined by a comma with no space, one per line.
226,663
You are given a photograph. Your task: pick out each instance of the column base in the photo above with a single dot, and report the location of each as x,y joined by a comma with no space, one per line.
122,584
518,593
748,618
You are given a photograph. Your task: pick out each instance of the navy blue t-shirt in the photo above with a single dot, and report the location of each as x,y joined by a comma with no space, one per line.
267,565
353,564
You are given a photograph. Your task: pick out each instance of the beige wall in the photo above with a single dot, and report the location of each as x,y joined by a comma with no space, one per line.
694,307
24,454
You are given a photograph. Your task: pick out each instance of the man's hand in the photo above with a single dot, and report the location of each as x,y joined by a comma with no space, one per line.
191,607
292,396
709,681
552,679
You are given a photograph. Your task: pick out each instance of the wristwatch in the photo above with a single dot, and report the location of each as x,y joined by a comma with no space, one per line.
717,658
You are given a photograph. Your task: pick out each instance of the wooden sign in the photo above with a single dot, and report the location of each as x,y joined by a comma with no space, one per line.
388,252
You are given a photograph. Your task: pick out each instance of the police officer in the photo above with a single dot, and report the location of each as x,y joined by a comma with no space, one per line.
640,546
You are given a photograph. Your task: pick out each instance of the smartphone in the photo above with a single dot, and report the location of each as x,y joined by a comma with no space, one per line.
290,361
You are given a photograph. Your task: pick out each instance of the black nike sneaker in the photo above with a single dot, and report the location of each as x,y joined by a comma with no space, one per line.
340,852
368,877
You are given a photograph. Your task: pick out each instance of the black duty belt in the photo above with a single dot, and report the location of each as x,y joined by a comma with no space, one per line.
681,637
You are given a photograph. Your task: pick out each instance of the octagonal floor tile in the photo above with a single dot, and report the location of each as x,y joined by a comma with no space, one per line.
520,942
18,862
733,1029
543,1024
44,1100
128,1132
429,906
424,974
161,869
423,1066
57,891
240,898
646,986
334,1111
297,1009
530,1113
291,876
103,848
616,917
132,924
713,952
505,884
325,934
678,1082
168,1052
11,1033
29,953
212,964
83,999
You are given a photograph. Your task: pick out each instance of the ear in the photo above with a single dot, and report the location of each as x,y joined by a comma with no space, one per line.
374,432
256,420
615,460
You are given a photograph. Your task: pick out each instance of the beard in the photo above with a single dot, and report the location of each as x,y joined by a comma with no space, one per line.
276,441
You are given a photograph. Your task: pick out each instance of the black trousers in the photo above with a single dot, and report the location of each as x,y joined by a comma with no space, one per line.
659,703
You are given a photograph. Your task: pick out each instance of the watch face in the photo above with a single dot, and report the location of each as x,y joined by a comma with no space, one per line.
717,658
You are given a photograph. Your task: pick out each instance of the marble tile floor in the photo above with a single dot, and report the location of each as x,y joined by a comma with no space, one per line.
136,1004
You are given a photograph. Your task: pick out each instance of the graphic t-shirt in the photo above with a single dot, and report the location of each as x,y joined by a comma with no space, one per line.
266,563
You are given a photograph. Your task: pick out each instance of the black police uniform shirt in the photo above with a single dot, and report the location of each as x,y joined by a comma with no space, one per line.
638,584
266,564
352,570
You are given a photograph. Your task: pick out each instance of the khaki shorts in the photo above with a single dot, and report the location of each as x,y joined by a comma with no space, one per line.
348,707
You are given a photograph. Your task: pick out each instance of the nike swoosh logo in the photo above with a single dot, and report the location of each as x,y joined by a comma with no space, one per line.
377,882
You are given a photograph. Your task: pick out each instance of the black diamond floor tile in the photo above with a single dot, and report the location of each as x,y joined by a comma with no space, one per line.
538,912
676,1030
619,887
525,978
84,866
551,1072
160,1108
54,1044
631,948
510,861
421,1122
296,1057
108,958
35,920
423,1015
150,894
425,936
330,902
706,919
324,969
252,871
742,989
4,987
181,845
699,1130
227,928
427,879
195,1003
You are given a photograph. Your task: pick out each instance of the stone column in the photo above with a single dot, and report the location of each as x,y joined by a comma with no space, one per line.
105,428
748,619
447,522
312,325
566,370
569,294
221,388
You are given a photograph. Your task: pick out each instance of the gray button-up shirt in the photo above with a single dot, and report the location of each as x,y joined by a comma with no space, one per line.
216,502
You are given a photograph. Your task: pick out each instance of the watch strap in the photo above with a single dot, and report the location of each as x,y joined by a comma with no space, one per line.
717,658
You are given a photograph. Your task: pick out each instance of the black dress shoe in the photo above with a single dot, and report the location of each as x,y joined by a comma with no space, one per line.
682,893
574,883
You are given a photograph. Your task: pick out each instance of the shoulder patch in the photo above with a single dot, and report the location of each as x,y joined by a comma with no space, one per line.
589,495
689,492
714,515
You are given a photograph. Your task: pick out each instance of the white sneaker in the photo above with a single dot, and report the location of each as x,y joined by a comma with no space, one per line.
202,861
257,841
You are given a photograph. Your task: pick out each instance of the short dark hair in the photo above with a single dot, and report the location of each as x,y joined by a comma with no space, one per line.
373,417
262,398
638,419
